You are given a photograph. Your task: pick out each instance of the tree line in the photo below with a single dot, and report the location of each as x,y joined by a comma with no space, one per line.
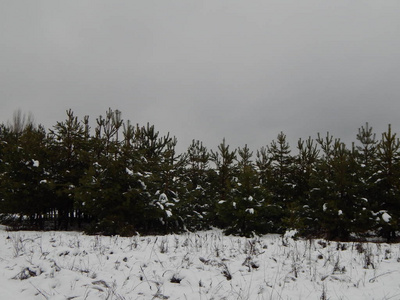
121,178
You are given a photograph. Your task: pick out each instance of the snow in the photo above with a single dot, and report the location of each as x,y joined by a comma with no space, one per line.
129,172
386,217
163,198
144,186
35,163
325,207
290,233
202,265
340,212
250,211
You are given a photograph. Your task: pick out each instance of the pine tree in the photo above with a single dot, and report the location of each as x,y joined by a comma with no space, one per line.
270,212
224,183
304,204
126,179
171,170
248,216
196,203
24,178
264,166
68,144
366,165
335,188
280,182
105,186
387,183
157,165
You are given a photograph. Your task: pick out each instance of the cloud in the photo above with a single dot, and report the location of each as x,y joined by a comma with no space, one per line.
206,69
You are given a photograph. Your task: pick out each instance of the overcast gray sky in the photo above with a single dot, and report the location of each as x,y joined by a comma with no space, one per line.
243,70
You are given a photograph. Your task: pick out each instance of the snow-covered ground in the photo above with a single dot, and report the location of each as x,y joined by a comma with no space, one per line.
205,265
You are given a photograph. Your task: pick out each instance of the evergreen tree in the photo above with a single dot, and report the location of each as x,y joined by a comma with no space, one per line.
68,144
387,183
366,160
248,213
304,205
196,203
280,182
171,170
158,165
24,178
106,182
336,188
224,179
271,213
129,178
263,165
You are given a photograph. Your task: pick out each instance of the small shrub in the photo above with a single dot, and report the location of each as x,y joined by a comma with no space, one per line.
226,272
359,248
26,273
388,254
324,296
164,245
368,259
176,279
341,247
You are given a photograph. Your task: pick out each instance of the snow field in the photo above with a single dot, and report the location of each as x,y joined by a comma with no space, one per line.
204,265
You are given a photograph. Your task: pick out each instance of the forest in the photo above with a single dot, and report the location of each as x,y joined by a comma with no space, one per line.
122,179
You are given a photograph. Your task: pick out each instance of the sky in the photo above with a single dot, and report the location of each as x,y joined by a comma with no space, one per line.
206,70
